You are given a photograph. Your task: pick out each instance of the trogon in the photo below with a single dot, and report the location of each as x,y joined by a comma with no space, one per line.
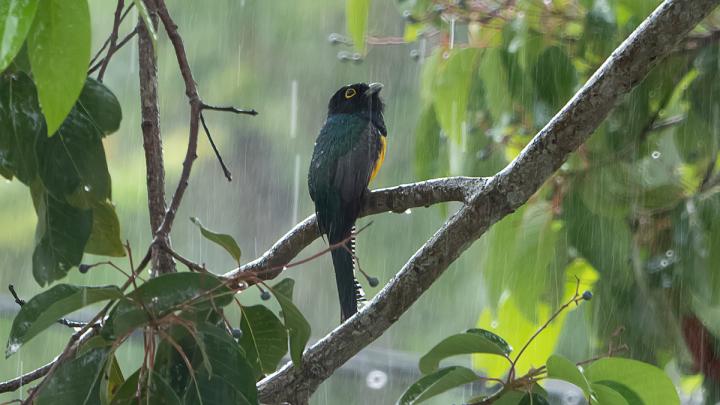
348,154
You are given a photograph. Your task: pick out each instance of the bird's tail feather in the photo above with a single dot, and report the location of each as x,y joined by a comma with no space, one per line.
349,289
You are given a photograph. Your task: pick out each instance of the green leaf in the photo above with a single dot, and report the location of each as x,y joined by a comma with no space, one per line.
62,232
264,339
510,398
230,380
555,77
100,106
437,383
634,380
495,80
356,18
76,381
20,124
533,399
412,30
515,325
160,392
164,294
112,380
427,145
105,235
472,341
560,368
16,17
59,51
72,163
531,232
296,324
49,306
604,395
227,242
451,91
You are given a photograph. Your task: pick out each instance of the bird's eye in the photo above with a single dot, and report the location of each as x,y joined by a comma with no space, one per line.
350,93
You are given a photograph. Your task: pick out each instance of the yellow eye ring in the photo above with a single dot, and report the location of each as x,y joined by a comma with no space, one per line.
350,93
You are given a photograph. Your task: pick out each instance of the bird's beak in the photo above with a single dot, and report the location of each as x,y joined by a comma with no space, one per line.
373,89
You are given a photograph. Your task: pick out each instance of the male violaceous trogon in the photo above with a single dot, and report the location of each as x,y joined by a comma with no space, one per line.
348,154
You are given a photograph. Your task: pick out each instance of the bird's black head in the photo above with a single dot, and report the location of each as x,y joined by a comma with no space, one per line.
357,98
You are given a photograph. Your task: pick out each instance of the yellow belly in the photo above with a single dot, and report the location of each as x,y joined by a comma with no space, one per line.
381,157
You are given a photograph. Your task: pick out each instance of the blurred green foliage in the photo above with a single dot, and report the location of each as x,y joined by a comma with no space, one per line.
633,213
636,205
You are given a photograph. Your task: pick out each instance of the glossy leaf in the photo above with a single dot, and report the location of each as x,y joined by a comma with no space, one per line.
59,50
533,399
62,232
16,17
296,324
105,235
221,373
472,341
20,124
47,307
72,163
76,381
100,106
165,294
111,380
604,395
560,368
227,242
159,392
634,380
264,339
356,17
436,383
510,398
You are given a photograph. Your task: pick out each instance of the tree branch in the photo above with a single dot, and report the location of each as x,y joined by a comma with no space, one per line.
162,262
501,195
392,199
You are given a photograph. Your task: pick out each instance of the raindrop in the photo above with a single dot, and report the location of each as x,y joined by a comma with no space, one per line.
87,188
293,108
452,32
415,54
670,253
344,56
494,324
664,263
296,189
408,211
334,38
666,281
376,379
656,154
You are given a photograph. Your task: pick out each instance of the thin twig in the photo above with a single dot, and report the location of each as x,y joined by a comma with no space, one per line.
107,41
119,45
187,262
227,173
230,109
113,39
